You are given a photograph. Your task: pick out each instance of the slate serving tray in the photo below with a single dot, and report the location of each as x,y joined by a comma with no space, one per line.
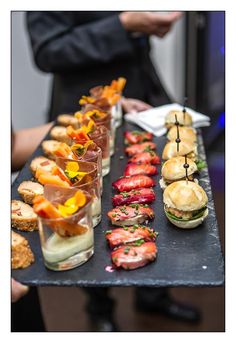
185,257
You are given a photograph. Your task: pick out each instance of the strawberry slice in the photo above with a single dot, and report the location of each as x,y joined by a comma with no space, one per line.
135,196
129,234
134,256
134,137
132,182
142,147
130,215
146,158
140,169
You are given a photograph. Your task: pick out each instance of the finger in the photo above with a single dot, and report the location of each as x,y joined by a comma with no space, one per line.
175,15
17,290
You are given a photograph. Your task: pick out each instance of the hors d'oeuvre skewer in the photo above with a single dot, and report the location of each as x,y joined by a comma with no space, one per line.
129,234
128,183
134,255
130,215
135,196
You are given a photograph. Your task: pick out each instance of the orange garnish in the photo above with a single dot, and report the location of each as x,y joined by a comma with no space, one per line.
72,204
86,100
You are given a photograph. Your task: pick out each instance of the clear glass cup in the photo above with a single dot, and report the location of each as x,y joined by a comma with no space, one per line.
68,242
90,168
93,154
101,137
116,111
94,189
109,123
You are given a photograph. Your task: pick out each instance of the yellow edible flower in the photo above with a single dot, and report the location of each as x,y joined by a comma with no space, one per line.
72,204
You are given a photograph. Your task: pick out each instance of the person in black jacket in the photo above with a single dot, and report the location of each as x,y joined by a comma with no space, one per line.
87,49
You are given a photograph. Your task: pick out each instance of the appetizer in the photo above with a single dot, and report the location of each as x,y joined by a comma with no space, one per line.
55,177
29,189
130,215
129,234
173,170
186,133
146,158
184,119
185,148
68,119
185,204
59,133
21,253
128,183
62,226
134,137
42,163
23,217
54,149
140,169
134,256
135,196
138,148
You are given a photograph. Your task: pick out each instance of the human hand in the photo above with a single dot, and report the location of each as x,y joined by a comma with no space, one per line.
151,23
130,105
17,290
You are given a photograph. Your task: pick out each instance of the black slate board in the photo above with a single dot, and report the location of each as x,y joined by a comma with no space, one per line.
185,257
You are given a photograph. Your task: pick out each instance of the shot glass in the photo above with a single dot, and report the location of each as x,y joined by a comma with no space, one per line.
94,189
101,137
109,123
116,111
67,242
88,170
93,154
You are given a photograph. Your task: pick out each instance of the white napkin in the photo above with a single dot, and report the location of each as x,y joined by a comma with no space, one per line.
153,120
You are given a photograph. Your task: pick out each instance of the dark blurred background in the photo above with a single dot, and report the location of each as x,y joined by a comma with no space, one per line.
197,71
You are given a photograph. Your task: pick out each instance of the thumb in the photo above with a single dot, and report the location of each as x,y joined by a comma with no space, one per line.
17,290
175,15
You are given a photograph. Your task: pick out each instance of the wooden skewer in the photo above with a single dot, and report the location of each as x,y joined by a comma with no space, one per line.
186,166
178,140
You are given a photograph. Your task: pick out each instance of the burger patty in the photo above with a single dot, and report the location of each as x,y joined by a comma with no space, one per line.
186,215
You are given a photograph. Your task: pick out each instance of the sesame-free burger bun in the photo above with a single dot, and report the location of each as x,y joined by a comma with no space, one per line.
185,133
185,148
173,169
170,119
185,196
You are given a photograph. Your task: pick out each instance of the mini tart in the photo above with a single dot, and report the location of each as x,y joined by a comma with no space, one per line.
23,217
29,189
43,163
68,119
21,253
59,133
49,146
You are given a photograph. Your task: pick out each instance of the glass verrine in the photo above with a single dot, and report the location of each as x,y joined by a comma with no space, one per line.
66,242
78,171
109,123
116,111
94,189
101,137
92,154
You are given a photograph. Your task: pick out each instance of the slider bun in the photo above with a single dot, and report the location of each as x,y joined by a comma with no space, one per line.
170,119
185,133
188,224
173,169
185,196
170,149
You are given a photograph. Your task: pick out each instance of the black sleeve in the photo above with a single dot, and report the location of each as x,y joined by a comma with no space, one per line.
59,46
